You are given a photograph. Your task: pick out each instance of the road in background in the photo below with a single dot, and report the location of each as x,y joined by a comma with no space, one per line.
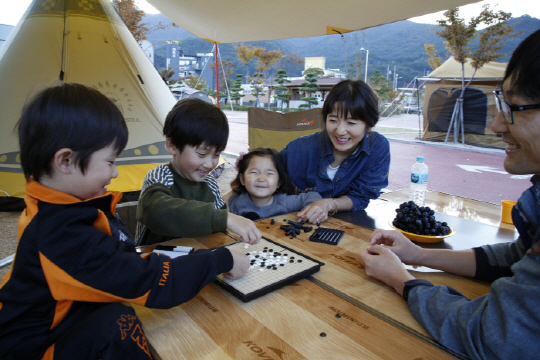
466,171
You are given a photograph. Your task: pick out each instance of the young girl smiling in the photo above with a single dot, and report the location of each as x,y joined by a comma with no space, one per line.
262,184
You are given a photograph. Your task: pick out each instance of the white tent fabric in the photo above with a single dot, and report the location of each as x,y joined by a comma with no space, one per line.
83,42
249,20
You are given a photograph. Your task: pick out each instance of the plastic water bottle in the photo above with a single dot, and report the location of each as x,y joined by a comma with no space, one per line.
419,178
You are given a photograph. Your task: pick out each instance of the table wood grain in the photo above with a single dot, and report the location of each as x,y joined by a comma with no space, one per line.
375,321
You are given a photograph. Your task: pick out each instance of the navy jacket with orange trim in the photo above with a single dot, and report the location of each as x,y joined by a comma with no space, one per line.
72,257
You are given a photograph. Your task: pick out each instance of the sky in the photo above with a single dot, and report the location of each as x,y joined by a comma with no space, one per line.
12,10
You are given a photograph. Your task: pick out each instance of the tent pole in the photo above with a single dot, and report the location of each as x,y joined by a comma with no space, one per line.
217,77
418,107
452,120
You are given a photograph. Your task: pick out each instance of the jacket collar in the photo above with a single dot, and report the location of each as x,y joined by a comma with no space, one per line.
41,192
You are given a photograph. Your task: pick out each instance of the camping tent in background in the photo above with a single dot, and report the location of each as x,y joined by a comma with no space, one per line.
83,42
185,92
478,107
240,20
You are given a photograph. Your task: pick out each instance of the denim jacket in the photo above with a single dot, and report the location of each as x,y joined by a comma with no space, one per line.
361,176
505,323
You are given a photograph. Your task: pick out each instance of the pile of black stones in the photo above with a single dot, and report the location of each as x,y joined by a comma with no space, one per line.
419,220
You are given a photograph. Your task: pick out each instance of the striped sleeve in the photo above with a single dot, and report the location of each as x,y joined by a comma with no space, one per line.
162,175
219,203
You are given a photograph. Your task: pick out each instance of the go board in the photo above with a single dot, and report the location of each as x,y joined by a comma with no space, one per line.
272,266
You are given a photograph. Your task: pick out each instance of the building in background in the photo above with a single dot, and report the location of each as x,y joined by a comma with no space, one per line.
186,65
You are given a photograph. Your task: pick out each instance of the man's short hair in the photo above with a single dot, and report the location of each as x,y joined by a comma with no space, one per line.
524,67
70,116
195,122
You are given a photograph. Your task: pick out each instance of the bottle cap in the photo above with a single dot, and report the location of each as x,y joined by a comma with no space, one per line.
420,159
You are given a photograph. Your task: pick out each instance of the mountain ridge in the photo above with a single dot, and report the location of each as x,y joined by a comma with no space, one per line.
399,45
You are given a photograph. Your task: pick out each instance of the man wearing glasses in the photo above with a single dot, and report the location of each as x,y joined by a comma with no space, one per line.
505,323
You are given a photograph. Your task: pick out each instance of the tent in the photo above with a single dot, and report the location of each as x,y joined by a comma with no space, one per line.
185,92
479,109
84,42
240,20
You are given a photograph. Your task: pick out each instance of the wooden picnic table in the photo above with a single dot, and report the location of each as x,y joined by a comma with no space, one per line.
337,313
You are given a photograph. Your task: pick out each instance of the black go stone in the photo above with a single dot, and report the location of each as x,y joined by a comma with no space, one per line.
323,334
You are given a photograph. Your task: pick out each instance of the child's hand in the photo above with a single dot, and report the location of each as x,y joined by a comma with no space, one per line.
240,266
245,228
238,159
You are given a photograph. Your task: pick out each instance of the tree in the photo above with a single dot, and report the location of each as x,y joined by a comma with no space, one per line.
434,61
132,17
381,85
356,67
265,60
281,78
292,63
166,75
237,87
246,53
257,83
226,69
318,72
458,35
195,82
309,87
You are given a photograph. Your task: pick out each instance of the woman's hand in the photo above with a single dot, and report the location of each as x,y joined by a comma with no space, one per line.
316,212
407,252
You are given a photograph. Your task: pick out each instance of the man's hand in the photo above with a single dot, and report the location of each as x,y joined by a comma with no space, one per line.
407,252
384,265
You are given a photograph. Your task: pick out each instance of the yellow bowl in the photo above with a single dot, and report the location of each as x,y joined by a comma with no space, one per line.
424,238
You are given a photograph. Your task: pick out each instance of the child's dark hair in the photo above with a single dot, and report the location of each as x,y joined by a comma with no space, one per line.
195,122
285,185
70,116
355,97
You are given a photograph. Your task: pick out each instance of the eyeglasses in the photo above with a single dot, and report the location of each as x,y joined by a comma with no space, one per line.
509,109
